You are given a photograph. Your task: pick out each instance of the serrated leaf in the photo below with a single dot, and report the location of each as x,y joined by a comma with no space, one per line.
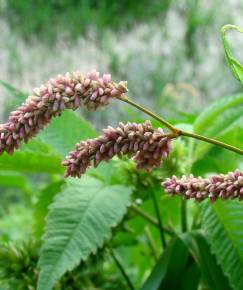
223,223
211,273
235,66
206,118
65,131
79,221
220,120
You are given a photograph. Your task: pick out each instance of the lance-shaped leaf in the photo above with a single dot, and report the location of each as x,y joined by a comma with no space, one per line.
79,222
223,223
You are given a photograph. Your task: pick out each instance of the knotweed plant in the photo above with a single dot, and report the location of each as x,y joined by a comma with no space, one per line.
87,208
145,144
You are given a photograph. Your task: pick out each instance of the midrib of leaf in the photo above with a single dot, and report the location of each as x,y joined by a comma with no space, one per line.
76,228
51,270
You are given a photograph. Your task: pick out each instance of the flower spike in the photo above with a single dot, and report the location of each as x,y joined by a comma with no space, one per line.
68,91
147,145
224,186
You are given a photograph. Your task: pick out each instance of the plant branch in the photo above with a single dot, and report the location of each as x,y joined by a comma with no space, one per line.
177,132
183,216
150,219
212,141
122,270
156,208
151,243
125,99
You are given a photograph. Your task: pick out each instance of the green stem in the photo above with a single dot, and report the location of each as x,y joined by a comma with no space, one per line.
122,270
177,132
212,141
151,243
156,208
150,219
125,99
183,216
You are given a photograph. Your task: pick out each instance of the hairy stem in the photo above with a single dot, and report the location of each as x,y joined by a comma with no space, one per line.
122,270
177,132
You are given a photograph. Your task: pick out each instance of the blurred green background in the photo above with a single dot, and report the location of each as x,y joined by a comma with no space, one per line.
169,51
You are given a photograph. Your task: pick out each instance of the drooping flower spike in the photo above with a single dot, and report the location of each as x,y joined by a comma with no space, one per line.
223,186
147,145
66,91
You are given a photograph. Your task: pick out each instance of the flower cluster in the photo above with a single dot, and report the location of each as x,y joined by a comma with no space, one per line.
228,186
146,144
66,91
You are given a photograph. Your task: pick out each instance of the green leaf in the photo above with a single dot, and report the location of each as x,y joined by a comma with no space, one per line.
212,274
33,157
207,117
223,223
220,120
212,162
235,66
78,223
191,278
168,271
65,131
41,207
14,179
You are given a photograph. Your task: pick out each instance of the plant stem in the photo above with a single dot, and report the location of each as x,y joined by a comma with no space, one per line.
150,219
177,132
125,99
122,270
151,243
156,208
183,216
212,141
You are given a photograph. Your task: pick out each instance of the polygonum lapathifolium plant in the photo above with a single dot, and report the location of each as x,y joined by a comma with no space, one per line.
67,91
146,144
82,216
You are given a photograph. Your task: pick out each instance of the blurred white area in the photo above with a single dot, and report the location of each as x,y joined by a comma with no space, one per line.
152,57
